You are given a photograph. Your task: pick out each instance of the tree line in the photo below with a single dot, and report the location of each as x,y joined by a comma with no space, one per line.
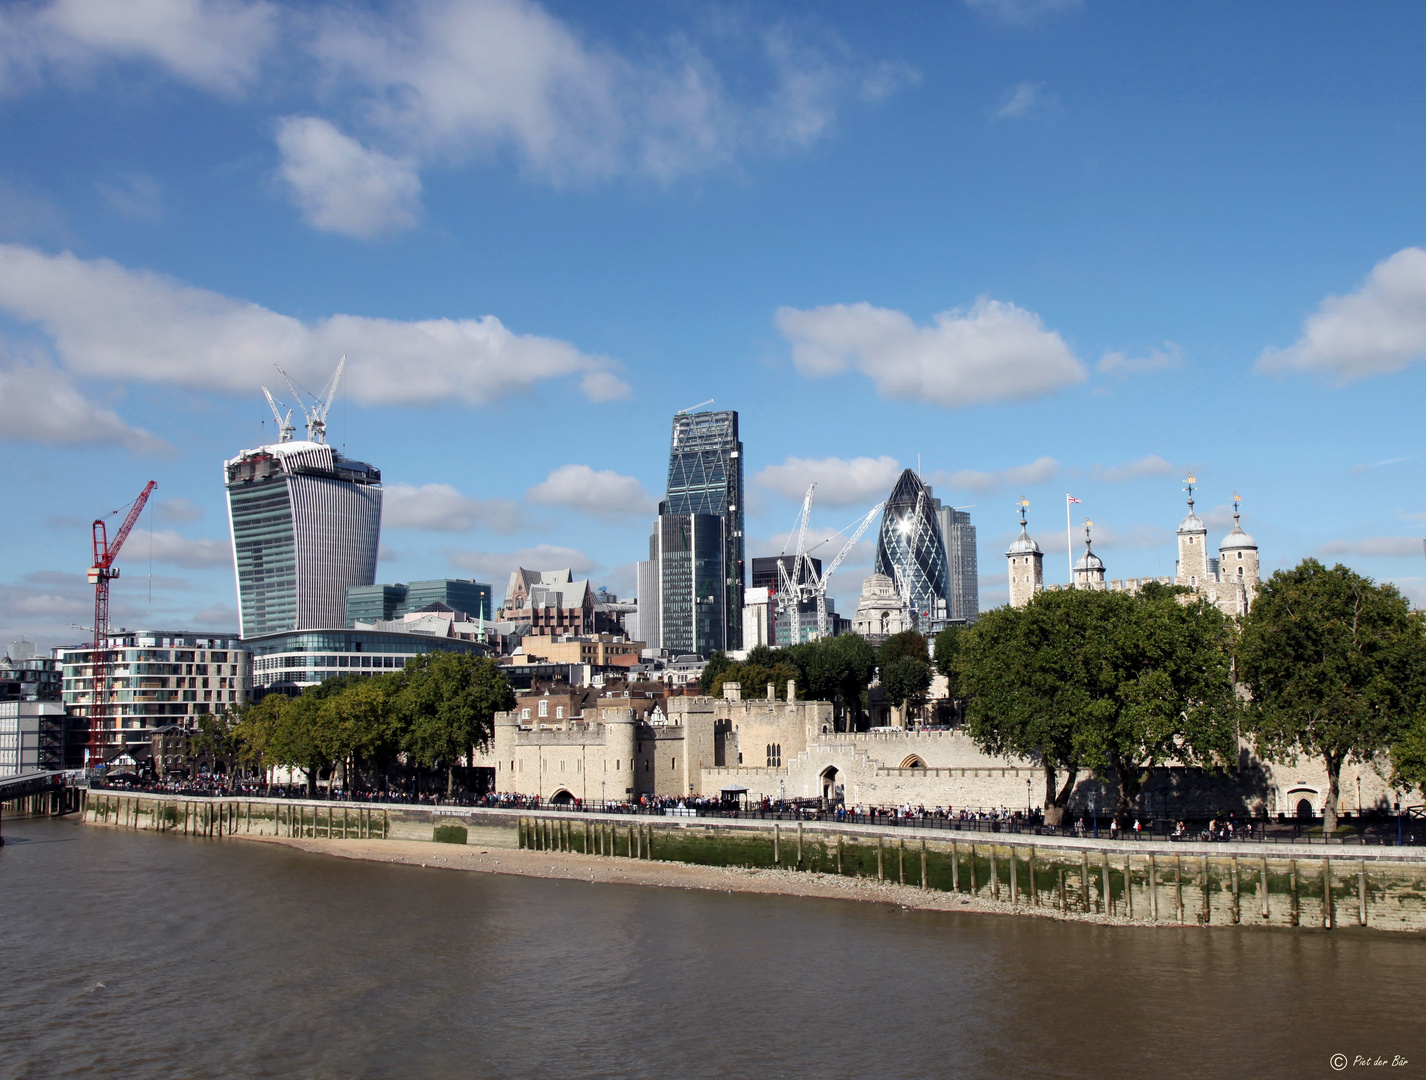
436,711
1327,664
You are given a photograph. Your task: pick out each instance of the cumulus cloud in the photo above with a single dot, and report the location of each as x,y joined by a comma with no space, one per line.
40,403
1380,328
441,508
217,45
1021,100
840,481
448,79
1040,471
1121,365
1150,465
497,566
179,510
1392,547
112,322
1021,12
994,351
342,186
603,494
169,547
134,197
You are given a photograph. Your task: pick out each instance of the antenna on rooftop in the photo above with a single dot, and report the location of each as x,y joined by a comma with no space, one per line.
321,404
692,407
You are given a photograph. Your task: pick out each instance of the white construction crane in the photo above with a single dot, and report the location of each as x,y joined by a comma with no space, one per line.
284,422
321,404
692,407
791,586
820,588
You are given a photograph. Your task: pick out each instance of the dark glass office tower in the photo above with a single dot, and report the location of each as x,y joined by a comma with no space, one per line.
705,477
911,551
689,551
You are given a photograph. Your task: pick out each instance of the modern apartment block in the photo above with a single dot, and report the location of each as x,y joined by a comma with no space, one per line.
305,522
159,677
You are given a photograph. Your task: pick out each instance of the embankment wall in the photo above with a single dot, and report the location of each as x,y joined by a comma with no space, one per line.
1306,887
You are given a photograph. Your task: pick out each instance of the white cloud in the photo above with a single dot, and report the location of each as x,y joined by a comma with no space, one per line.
179,510
40,403
1040,471
995,351
169,547
840,482
1120,365
1020,12
1020,100
134,197
1391,547
213,44
112,322
341,185
441,508
603,494
1150,465
1380,328
448,79
217,615
496,566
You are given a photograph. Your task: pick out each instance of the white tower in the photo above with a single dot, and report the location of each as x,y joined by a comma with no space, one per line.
1026,565
1238,561
1089,571
1192,546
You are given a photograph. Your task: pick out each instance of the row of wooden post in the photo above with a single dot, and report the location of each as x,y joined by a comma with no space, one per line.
598,837
223,817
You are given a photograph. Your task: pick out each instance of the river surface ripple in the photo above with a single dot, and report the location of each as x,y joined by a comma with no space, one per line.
134,955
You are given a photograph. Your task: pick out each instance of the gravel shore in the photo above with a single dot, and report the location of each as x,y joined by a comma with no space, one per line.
572,866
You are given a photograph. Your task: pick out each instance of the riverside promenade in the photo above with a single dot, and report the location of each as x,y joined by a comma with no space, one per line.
1322,887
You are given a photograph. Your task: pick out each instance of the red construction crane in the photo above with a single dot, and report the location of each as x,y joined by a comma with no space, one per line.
100,574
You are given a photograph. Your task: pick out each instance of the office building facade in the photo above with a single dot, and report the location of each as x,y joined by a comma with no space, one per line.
705,479
690,552
911,551
383,603
305,522
962,568
289,663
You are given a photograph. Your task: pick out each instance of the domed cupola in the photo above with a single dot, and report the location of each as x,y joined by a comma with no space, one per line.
1089,570
1237,539
1025,562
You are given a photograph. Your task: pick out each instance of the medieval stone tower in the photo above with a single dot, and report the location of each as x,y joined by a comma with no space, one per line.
1193,568
1238,562
1026,564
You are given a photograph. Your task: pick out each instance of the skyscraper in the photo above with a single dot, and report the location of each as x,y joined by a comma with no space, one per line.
911,551
304,522
705,480
962,570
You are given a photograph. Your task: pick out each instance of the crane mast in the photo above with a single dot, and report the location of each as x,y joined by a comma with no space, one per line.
791,586
820,587
316,415
101,572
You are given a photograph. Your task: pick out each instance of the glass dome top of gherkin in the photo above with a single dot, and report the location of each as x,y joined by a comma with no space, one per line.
910,550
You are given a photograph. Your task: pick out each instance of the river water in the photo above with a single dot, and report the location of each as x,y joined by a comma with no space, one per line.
136,955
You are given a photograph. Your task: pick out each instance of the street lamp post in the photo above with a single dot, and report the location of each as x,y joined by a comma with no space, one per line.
1027,798
1398,823
1094,813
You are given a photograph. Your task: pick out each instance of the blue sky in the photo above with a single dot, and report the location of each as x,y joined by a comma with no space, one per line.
1047,246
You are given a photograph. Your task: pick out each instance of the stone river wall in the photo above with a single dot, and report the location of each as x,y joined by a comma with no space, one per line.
1318,887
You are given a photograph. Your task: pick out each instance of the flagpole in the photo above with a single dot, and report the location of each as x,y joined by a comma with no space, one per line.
1069,539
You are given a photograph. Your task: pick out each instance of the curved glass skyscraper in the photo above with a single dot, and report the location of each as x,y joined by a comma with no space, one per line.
911,551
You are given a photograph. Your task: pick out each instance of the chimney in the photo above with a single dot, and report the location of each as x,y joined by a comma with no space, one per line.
791,690
771,692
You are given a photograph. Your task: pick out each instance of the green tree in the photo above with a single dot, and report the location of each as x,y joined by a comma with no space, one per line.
1336,666
368,728
907,643
717,664
214,738
295,732
448,702
1012,667
905,681
1107,681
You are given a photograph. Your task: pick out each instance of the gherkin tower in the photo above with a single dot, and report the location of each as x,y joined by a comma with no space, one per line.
911,551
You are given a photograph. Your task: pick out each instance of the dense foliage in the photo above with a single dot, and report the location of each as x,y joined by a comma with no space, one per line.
437,711
1111,682
1336,667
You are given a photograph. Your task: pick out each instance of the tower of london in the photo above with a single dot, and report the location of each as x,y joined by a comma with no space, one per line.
1229,581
